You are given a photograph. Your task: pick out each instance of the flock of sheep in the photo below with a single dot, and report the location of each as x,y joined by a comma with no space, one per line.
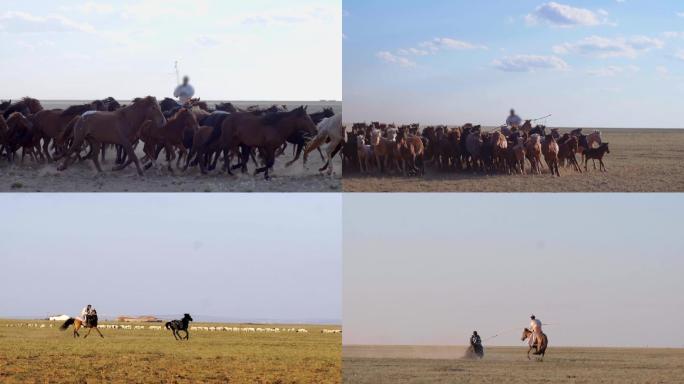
193,328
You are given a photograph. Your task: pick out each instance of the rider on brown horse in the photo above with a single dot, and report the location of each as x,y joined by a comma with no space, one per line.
536,328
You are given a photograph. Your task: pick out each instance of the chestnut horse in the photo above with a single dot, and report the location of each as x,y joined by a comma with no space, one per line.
267,133
90,323
51,124
539,346
550,150
533,151
121,127
177,131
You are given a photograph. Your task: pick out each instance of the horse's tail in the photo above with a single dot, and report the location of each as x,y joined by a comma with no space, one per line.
167,325
69,132
188,138
66,324
215,135
315,143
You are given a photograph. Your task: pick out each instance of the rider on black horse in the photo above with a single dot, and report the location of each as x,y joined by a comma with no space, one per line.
476,344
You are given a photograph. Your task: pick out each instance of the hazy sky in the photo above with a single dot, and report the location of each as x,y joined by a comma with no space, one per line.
236,50
592,63
250,257
602,270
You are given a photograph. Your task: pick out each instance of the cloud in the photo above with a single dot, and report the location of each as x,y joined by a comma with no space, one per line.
679,55
90,7
436,45
680,14
391,58
562,15
529,63
22,22
146,10
673,35
662,71
289,16
206,41
613,70
604,47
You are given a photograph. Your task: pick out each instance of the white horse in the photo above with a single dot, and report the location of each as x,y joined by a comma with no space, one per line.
329,128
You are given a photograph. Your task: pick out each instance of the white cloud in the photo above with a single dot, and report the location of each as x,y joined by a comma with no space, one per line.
662,71
530,63
22,22
680,14
90,7
679,55
147,10
436,45
289,16
206,41
673,35
566,16
391,58
604,47
613,70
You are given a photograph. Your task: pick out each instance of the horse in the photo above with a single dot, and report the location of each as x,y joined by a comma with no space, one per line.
51,123
178,130
533,151
364,154
500,148
90,323
596,154
412,151
267,133
328,129
226,107
21,133
121,127
539,347
4,105
550,150
567,150
176,326
26,106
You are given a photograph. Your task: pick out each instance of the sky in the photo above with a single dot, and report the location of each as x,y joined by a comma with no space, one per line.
226,257
589,63
597,270
232,50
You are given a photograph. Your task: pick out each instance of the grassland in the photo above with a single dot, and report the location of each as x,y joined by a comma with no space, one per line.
641,160
46,355
510,365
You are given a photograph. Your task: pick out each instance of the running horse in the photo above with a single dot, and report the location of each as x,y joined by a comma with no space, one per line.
90,323
121,127
539,347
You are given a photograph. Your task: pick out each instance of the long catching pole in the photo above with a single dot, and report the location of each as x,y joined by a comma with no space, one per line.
177,73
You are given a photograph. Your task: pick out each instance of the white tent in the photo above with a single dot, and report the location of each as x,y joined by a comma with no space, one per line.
59,318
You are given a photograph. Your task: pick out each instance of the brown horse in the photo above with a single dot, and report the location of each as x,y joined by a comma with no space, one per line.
550,151
26,106
178,130
412,152
567,150
539,346
90,323
121,127
267,133
52,123
500,148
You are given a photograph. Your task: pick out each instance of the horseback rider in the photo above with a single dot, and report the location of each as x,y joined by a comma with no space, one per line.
475,339
513,120
185,91
84,313
536,328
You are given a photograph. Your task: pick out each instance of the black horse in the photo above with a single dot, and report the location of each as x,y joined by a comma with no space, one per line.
180,325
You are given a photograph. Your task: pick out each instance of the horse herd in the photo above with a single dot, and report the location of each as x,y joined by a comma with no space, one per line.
194,134
386,148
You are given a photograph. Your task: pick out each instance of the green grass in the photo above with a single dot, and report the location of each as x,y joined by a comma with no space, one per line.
40,355
510,365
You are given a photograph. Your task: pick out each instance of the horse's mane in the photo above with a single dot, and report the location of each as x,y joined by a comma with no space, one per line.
77,110
274,118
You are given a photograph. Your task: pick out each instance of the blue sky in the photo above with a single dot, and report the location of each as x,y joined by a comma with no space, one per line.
231,256
236,50
601,270
605,63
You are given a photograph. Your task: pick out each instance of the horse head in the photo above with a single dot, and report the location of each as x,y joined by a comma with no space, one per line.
526,333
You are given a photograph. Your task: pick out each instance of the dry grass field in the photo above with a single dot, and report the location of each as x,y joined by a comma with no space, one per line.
47,355
510,365
641,160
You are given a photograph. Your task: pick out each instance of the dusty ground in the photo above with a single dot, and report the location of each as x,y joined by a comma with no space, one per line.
510,365
47,355
82,177
641,160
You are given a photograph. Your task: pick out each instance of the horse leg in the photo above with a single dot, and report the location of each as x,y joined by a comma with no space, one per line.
298,153
131,155
603,166
46,150
94,154
100,333
89,329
